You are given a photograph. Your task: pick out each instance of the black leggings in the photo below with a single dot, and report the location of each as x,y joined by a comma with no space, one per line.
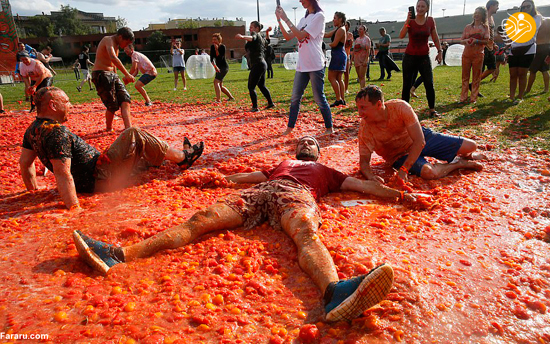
269,70
412,65
257,78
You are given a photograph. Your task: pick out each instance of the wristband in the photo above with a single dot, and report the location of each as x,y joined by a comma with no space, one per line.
404,169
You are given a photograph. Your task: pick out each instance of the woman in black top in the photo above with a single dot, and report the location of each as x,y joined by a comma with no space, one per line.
255,48
217,58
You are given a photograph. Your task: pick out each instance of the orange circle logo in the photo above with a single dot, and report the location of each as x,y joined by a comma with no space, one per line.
520,27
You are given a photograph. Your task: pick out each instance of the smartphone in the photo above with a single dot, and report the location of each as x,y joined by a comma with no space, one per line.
278,3
413,14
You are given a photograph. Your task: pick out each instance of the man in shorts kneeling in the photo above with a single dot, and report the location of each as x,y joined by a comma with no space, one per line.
142,64
109,88
286,196
392,130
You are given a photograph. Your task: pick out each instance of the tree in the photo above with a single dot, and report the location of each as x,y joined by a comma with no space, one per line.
218,23
67,22
121,22
157,42
188,24
40,26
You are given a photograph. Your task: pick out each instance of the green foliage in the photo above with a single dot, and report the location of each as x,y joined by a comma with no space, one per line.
68,23
228,23
218,23
60,49
121,22
157,42
188,24
40,26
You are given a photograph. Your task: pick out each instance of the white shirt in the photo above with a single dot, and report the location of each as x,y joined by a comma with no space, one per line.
34,70
310,52
145,66
533,41
177,58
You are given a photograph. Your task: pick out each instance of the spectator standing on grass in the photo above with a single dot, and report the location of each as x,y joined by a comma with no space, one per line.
383,46
255,48
142,64
489,58
417,54
475,38
45,56
269,54
338,60
522,55
85,63
178,63
361,51
347,46
217,58
542,56
311,62
76,70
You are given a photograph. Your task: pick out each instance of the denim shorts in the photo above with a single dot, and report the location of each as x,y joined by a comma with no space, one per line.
440,146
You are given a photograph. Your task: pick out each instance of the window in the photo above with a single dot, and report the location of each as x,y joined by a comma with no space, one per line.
187,38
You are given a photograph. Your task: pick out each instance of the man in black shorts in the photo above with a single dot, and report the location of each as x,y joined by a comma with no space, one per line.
112,92
285,196
85,63
489,59
79,167
542,57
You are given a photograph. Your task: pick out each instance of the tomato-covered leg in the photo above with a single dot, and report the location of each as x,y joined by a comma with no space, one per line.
217,217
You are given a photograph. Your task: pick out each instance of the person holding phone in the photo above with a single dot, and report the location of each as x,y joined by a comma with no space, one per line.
255,48
311,62
178,63
417,53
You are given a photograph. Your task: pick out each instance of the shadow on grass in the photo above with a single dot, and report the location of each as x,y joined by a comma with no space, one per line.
528,126
481,114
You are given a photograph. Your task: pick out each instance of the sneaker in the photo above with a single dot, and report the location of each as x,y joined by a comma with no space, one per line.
175,89
336,103
254,110
148,104
2,111
518,101
79,88
348,299
270,106
97,254
185,88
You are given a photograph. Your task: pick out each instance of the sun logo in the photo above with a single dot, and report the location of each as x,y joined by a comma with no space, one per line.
520,27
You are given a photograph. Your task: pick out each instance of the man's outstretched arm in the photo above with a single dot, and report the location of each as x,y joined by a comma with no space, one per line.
252,177
28,170
65,182
372,187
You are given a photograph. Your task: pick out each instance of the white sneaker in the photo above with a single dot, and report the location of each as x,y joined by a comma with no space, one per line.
185,88
175,89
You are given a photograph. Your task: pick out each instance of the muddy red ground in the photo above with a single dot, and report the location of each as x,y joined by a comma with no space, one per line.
473,268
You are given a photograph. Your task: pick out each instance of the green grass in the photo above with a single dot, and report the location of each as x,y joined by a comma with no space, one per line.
493,118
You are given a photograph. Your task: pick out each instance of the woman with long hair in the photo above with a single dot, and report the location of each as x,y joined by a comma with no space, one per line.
417,54
217,58
311,62
347,47
361,51
255,48
338,60
522,54
178,63
475,38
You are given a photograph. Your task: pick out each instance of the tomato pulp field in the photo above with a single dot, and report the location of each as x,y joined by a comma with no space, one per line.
474,267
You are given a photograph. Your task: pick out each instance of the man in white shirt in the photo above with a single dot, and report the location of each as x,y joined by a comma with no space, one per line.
35,75
142,64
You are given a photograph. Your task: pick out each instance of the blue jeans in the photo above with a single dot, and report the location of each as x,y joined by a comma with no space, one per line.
301,79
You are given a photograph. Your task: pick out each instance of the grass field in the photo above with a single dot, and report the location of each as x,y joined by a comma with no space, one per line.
493,117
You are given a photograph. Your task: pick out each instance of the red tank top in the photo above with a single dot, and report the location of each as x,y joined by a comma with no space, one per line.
418,37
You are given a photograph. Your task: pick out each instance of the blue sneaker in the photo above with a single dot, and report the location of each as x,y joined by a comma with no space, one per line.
348,299
97,254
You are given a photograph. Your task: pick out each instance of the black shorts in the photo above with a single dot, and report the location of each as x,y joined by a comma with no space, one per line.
110,89
45,83
489,60
178,69
521,61
223,72
538,64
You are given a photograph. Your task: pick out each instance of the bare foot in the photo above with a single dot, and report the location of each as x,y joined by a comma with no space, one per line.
329,131
287,131
469,164
479,156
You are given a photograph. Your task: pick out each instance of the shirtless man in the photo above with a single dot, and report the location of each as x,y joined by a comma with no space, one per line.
112,92
392,130
140,63
542,56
